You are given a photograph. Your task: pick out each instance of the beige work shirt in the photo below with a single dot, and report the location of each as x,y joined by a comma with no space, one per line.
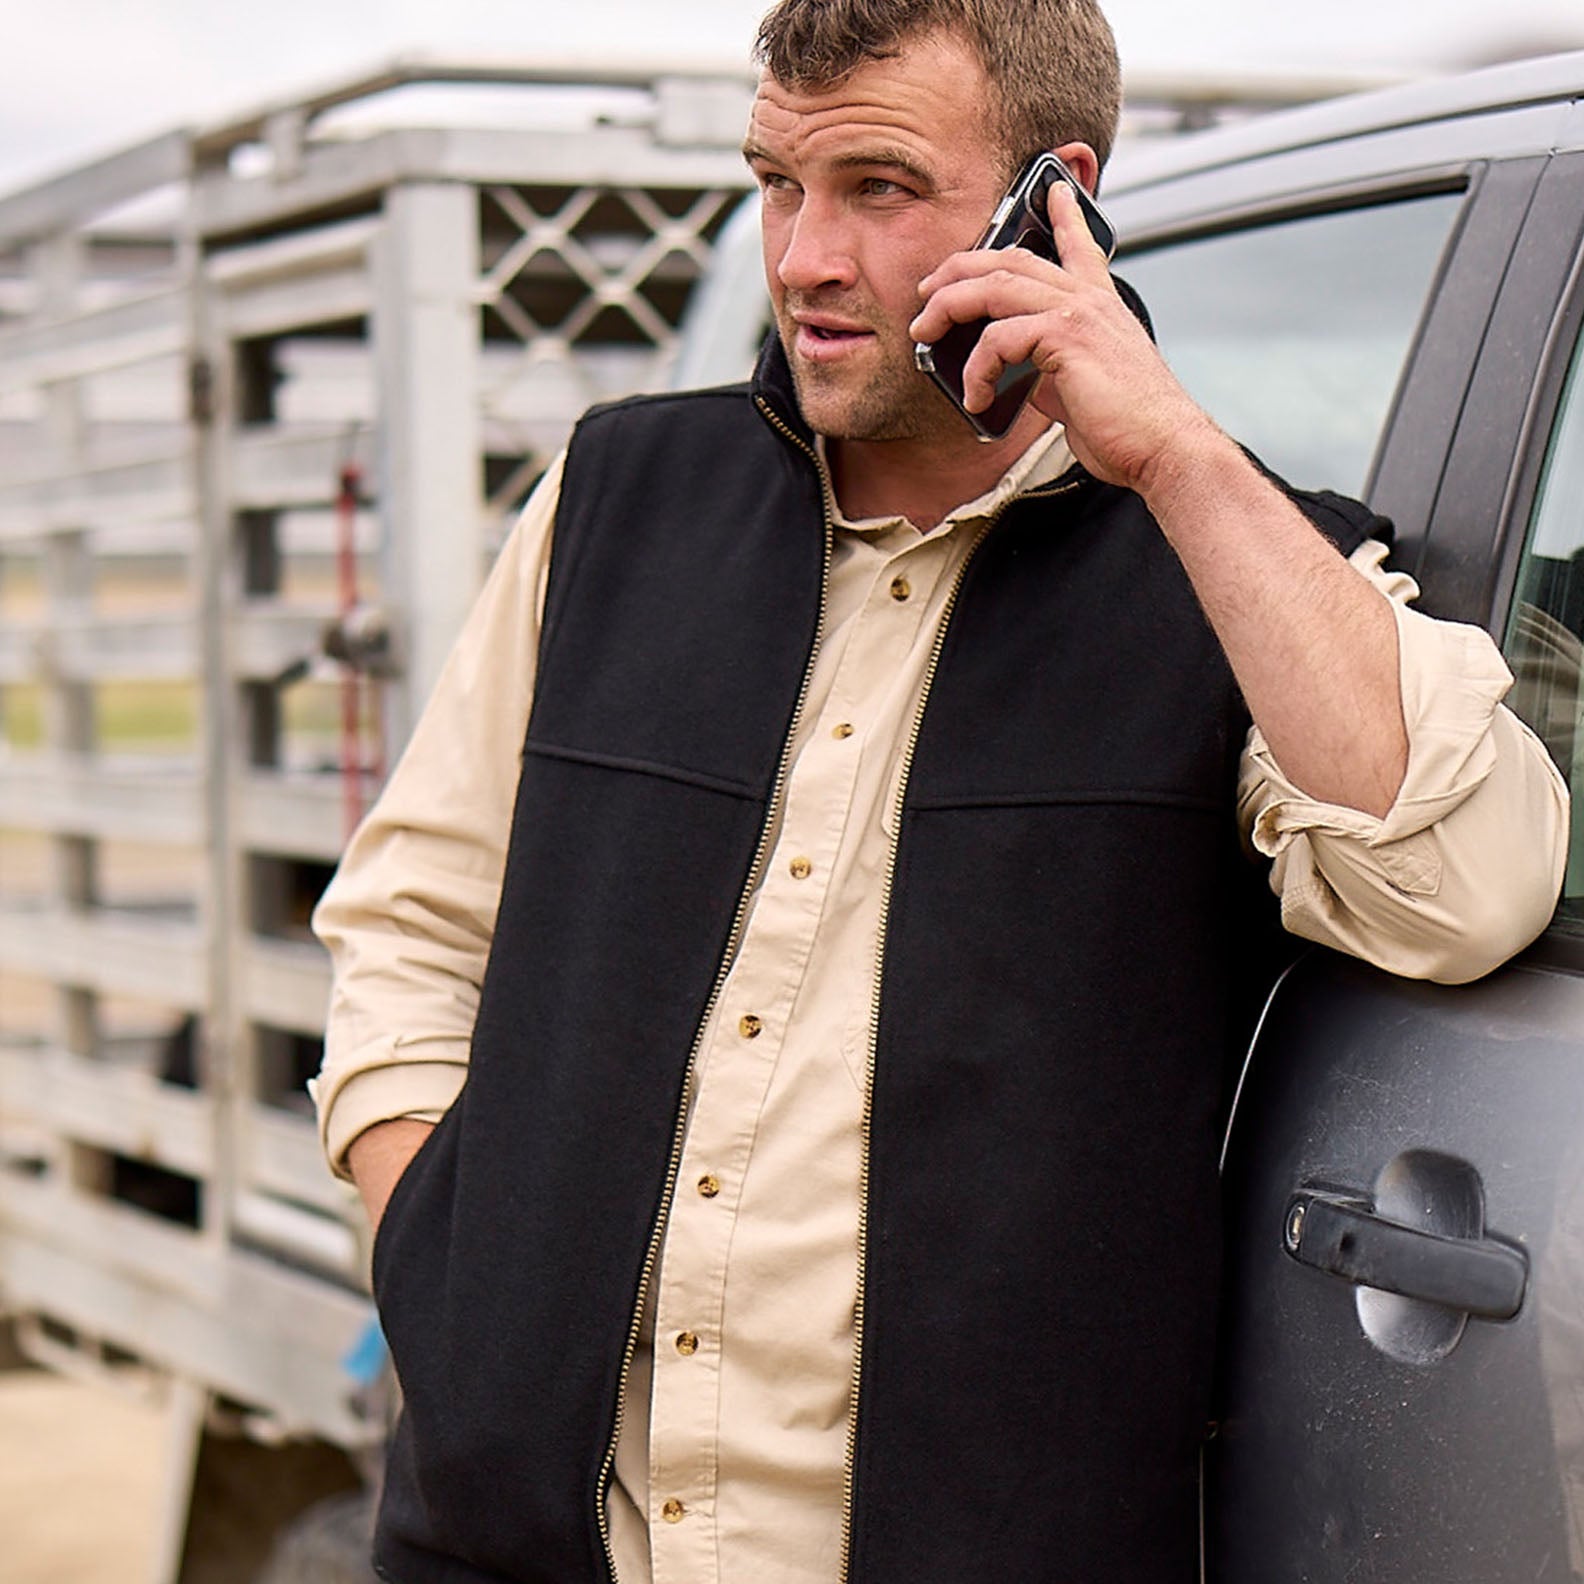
731,1458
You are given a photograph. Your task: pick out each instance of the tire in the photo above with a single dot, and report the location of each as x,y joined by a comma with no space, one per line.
327,1543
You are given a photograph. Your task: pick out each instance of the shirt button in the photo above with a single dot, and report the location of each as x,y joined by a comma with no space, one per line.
843,731
801,868
900,589
672,1511
749,1026
687,1343
709,1185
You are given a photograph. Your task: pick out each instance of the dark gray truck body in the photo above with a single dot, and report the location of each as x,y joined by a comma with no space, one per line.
1426,244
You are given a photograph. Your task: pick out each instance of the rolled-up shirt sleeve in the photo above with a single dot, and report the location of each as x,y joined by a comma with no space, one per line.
410,912
1464,869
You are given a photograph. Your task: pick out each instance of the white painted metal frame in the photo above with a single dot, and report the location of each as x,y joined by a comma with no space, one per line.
372,250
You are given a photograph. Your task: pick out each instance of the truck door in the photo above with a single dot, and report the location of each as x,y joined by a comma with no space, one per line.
1402,1391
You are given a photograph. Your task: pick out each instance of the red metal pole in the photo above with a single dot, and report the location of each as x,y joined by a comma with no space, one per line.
351,692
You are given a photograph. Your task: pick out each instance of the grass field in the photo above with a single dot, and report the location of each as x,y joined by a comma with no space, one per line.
128,715
134,716
154,717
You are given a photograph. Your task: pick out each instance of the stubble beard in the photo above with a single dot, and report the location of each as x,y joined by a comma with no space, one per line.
893,401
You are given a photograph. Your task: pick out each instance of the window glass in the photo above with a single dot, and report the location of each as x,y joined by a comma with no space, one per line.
1293,335
1545,632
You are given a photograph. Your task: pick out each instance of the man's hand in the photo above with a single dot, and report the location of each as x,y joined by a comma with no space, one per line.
378,1158
1124,411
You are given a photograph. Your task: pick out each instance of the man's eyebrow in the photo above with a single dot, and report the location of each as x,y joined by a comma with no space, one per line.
887,158
884,158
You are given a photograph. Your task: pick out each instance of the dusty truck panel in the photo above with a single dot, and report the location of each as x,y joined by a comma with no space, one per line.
1401,1362
270,395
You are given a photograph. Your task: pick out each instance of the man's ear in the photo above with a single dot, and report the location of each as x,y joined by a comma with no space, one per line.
1083,162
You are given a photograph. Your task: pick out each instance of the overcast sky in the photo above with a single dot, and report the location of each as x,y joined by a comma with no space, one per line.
81,77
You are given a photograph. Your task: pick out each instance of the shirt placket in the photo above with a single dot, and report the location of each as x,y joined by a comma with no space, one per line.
747,1039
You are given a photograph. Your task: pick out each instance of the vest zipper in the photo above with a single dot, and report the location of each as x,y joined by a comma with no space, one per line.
1058,487
733,940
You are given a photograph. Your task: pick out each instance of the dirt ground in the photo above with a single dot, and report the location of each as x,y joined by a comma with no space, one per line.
80,1471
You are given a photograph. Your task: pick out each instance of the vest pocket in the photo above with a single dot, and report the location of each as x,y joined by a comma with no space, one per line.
1189,801
396,1207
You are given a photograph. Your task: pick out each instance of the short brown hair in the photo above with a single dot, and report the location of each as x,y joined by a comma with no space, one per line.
1052,63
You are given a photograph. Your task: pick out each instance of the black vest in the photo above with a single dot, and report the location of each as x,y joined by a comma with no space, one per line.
1072,942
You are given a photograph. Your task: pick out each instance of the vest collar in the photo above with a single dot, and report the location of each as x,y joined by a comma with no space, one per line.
774,391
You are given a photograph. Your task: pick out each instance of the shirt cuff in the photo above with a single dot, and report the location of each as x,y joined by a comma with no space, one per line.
1453,679
1462,871
416,1079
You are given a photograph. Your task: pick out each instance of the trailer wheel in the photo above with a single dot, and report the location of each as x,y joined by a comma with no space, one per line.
328,1543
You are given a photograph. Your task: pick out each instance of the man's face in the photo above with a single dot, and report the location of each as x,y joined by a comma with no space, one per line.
867,187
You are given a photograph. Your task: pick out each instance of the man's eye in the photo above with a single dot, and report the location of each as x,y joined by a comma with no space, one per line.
882,187
775,182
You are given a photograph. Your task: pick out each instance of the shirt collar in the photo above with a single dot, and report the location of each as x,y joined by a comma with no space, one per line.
1045,459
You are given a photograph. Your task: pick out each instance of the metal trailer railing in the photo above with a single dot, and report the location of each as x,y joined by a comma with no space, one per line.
260,431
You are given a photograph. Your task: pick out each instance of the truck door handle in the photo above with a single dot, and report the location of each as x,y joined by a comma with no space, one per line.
1347,1238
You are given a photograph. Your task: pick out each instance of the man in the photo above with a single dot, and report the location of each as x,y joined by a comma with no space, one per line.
832,1190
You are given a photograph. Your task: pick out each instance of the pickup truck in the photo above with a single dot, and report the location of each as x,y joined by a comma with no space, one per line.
1386,295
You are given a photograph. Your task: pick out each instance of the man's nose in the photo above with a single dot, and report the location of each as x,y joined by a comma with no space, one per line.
819,250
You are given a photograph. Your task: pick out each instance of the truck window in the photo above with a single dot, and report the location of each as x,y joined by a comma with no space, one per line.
1293,334
1545,630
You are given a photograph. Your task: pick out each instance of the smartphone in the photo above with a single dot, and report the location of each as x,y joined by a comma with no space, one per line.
1022,219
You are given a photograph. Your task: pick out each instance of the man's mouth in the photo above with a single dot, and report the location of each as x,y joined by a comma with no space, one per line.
821,339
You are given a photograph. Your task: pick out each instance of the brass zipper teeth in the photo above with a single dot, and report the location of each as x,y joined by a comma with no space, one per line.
849,1469
733,941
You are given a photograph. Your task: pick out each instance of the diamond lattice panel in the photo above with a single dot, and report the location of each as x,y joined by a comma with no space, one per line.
581,295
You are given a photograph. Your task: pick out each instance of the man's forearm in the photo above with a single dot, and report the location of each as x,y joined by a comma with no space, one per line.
1312,644
379,1156
1314,647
